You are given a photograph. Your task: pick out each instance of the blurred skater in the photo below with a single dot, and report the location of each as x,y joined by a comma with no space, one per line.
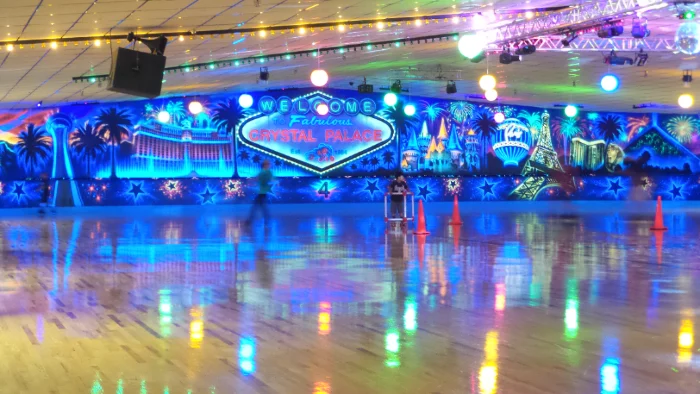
45,193
397,188
264,179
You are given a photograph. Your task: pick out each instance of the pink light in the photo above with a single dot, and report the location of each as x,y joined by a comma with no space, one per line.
499,117
319,78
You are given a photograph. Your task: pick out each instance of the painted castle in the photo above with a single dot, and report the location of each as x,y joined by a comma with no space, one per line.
443,153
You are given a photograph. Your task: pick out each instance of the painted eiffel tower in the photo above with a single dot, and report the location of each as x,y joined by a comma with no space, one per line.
542,170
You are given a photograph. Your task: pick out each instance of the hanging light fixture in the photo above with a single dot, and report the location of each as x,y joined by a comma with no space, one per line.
163,117
195,107
409,109
570,111
499,117
319,77
491,95
245,100
686,100
322,109
487,82
390,99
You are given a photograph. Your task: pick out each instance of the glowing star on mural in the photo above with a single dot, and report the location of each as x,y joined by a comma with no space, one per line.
453,185
136,190
371,187
19,191
487,188
424,192
614,187
207,196
171,188
233,188
676,191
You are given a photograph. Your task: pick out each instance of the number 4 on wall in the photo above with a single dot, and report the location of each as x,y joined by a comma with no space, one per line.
323,190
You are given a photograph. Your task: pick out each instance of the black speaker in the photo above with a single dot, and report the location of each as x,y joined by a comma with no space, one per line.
137,73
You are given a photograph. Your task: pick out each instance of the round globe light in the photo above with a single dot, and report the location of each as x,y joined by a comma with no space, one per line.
609,83
319,78
487,82
409,110
570,111
685,100
245,100
471,45
499,117
491,95
322,109
163,117
391,99
195,107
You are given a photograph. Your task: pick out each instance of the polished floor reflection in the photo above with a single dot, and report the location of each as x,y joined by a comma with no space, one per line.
186,301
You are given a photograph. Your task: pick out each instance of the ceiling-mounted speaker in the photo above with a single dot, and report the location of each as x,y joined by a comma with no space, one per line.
137,73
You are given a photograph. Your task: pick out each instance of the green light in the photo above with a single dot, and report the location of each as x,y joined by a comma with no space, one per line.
409,317
288,57
342,50
315,53
93,80
187,69
164,81
236,63
689,15
369,46
391,342
397,44
262,60
212,66
390,99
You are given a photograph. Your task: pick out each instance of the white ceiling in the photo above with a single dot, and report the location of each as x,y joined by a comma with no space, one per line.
31,75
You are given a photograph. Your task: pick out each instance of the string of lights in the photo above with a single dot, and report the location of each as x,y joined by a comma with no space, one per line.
342,49
268,31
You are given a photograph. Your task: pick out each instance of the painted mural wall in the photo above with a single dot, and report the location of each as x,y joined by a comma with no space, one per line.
338,135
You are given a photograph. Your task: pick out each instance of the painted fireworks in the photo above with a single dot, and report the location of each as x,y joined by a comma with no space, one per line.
172,188
233,188
453,186
96,192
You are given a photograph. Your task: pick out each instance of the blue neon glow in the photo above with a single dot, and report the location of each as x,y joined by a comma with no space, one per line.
238,41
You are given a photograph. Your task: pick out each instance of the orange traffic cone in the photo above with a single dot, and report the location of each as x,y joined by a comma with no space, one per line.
420,228
421,250
659,219
456,219
455,236
659,237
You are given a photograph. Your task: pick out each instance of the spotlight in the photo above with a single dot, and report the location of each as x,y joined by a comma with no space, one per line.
476,59
39,104
507,58
641,58
640,28
688,14
526,49
451,87
409,109
687,78
245,100
611,31
396,87
570,111
570,37
685,101
609,83
156,45
615,60
264,74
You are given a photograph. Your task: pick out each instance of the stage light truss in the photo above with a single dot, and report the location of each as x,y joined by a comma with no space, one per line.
578,17
619,44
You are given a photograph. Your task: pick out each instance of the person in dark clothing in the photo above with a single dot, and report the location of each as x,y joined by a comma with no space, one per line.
397,188
45,193
264,179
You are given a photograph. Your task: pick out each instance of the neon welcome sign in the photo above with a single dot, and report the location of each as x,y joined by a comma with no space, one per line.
317,131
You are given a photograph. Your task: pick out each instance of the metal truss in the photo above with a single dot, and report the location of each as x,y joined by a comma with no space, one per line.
575,18
619,44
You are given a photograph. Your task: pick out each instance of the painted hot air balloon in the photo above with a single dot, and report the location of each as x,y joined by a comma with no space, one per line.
512,142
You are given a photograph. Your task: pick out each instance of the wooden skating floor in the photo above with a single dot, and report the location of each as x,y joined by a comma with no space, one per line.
184,300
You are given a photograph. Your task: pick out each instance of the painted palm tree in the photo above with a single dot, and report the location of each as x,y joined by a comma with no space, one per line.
177,111
484,125
402,122
374,162
388,158
88,144
432,111
533,120
609,127
227,116
33,149
113,128
568,128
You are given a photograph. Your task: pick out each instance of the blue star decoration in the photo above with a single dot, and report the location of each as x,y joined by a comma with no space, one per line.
614,187
487,188
424,192
171,185
19,191
676,191
207,196
371,187
136,190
